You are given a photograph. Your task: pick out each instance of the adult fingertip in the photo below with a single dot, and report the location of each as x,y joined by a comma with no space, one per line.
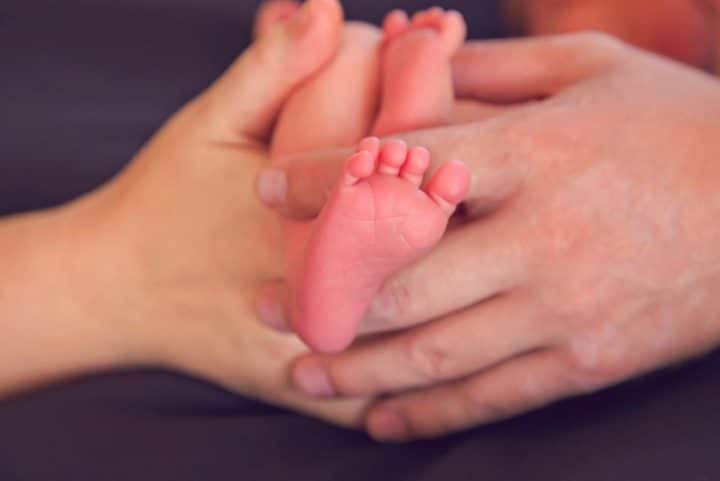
307,183
311,378
388,425
271,187
270,311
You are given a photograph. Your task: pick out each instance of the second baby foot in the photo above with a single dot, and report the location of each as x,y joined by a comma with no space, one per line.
417,84
377,220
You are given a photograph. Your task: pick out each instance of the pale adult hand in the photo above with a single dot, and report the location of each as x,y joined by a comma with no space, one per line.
592,251
160,266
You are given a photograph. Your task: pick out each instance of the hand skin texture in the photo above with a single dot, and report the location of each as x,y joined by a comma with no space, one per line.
160,266
590,253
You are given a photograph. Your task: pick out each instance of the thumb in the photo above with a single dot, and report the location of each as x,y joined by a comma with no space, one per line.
244,103
272,305
299,186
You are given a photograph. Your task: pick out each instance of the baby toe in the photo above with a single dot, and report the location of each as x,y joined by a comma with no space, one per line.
396,23
392,157
417,163
449,186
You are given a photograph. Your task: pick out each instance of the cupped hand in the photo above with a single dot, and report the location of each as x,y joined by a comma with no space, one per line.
168,255
590,253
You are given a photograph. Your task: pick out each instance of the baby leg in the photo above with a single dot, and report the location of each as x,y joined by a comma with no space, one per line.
377,221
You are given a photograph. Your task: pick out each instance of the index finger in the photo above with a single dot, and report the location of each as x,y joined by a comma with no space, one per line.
518,70
299,186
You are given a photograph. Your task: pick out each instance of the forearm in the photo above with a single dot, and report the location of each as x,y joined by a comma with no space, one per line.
47,329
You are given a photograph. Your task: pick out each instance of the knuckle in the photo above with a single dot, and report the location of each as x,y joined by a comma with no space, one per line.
392,305
481,408
428,360
589,370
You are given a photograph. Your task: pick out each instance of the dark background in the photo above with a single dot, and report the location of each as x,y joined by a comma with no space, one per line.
83,84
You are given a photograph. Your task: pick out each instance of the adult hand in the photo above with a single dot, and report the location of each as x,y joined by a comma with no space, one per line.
160,266
592,251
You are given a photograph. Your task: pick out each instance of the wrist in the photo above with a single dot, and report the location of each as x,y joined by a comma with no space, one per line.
57,292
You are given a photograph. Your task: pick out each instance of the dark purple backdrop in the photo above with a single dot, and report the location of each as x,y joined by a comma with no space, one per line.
83,83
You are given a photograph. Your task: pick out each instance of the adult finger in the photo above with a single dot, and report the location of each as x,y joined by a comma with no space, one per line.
451,348
476,262
272,305
243,104
298,187
519,385
525,69
468,111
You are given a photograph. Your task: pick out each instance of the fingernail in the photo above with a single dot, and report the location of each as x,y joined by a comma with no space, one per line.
387,425
272,187
271,314
312,379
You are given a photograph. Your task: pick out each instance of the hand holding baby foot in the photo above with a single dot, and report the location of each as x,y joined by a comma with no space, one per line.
581,272
378,220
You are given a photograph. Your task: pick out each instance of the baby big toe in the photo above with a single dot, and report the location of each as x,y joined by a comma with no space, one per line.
454,31
449,186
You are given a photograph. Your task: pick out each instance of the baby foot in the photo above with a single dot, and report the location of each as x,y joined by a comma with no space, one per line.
417,72
377,220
